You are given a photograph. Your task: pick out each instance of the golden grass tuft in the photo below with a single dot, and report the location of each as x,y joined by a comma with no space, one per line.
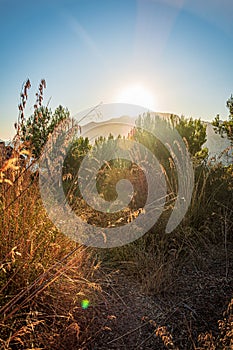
43,275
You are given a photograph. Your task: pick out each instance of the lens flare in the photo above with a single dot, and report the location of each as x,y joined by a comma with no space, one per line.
128,149
85,303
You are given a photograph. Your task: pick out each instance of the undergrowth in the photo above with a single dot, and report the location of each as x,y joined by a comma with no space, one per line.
44,276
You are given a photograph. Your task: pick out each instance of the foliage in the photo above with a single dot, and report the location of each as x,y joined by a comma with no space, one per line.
77,151
43,273
40,125
33,132
225,128
192,130
44,277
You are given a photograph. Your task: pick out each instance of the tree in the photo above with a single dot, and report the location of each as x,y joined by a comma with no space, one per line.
78,150
33,133
76,153
225,128
194,132
40,125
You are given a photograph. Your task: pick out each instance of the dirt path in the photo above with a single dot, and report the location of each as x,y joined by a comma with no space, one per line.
129,319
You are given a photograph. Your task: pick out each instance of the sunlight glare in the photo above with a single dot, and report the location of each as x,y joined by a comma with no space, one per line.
138,95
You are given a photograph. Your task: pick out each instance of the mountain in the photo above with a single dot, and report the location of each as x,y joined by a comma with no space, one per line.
115,126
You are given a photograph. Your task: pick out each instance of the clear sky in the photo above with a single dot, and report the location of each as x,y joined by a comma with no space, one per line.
180,52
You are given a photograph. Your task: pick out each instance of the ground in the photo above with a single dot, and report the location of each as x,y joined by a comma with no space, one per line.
128,318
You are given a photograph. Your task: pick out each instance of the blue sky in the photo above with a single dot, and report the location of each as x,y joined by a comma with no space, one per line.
89,51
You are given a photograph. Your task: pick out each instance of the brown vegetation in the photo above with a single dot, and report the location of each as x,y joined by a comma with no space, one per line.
164,291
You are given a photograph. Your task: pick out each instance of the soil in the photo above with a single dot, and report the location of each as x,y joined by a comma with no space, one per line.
128,318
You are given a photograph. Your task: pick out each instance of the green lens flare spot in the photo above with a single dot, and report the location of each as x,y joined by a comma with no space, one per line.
85,303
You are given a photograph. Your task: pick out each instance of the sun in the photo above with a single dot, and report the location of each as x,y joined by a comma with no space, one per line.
136,94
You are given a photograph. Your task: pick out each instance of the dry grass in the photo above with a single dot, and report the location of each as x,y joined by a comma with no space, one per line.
43,275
